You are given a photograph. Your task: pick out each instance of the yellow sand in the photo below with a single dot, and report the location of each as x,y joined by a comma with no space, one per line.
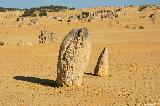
27,73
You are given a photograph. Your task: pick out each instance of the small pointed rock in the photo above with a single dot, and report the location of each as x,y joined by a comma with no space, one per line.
73,57
101,68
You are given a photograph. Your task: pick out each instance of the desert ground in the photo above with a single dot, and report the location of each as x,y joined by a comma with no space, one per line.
28,70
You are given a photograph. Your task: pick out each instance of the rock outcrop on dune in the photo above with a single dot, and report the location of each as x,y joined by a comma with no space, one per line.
46,37
21,43
73,57
101,68
153,17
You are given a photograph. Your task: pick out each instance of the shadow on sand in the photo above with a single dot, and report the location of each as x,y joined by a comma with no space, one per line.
89,74
45,82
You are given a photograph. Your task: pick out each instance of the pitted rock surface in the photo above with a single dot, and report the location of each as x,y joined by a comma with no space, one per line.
73,57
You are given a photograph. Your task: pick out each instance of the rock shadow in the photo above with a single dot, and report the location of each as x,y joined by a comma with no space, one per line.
45,82
90,74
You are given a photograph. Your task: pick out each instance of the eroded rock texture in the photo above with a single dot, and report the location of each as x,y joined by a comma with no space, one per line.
73,57
101,68
46,37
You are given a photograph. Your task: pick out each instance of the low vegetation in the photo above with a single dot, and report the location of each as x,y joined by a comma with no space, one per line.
9,9
42,11
34,12
39,11
2,9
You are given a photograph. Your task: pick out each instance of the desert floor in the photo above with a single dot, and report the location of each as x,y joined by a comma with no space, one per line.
28,72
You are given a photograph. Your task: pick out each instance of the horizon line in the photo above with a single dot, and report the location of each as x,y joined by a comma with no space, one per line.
82,7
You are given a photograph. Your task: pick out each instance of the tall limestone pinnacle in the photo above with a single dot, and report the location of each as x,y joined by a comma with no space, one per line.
73,57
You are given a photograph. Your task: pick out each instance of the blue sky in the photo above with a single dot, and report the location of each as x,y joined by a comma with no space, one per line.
73,3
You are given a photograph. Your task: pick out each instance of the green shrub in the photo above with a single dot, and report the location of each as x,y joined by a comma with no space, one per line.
28,13
2,9
43,13
85,14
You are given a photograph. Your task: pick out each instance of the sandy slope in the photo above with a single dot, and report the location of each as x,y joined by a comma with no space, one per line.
28,72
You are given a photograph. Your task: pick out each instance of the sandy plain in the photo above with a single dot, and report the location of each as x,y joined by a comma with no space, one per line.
28,72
